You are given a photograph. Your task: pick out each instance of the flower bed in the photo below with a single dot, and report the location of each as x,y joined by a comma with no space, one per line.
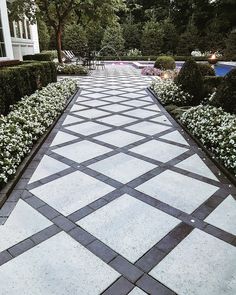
169,93
27,122
151,71
65,69
216,130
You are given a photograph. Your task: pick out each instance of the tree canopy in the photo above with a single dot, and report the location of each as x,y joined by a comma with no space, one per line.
164,26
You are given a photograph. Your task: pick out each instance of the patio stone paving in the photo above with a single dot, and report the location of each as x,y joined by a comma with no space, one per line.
119,200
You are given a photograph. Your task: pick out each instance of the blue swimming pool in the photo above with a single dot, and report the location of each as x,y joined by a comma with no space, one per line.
220,69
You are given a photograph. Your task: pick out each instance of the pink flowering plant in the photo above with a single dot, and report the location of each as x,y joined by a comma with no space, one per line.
151,71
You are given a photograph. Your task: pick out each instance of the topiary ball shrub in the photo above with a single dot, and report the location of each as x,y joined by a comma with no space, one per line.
206,69
191,81
225,96
165,63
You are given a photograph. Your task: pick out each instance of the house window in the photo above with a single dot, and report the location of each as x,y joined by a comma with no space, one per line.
2,45
24,34
28,29
11,24
17,29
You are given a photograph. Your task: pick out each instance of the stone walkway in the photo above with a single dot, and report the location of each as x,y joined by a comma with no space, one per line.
119,201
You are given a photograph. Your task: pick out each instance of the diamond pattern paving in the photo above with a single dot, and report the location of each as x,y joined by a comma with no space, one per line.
200,260
118,201
122,167
56,266
72,192
129,226
168,187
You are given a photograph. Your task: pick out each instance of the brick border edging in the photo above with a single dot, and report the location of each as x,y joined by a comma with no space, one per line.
9,187
223,169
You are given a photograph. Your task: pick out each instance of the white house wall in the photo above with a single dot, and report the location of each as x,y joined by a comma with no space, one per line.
6,30
18,47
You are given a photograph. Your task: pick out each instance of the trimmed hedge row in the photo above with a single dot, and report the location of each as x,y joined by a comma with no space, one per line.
153,58
39,57
25,79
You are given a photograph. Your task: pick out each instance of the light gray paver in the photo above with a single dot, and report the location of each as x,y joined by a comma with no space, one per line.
72,192
47,167
224,216
129,226
177,190
199,265
59,265
22,223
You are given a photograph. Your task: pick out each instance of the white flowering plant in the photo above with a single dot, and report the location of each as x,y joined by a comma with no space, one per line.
216,130
169,93
134,52
27,121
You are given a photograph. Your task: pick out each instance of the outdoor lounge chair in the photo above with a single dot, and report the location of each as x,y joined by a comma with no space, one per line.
100,63
70,56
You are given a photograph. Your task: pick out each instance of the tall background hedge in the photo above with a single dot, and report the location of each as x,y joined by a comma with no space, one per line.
24,79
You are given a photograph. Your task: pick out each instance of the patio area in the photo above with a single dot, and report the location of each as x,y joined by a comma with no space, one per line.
119,200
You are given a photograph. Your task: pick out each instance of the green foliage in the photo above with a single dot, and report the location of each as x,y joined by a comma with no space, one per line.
230,51
170,36
18,81
152,38
28,120
191,81
44,36
38,57
113,38
70,69
74,38
165,63
206,69
94,34
188,41
226,93
53,53
128,58
132,35
211,83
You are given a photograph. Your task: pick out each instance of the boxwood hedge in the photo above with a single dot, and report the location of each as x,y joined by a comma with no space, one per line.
24,79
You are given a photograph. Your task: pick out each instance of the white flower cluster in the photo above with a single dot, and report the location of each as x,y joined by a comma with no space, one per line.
134,52
169,93
216,129
27,122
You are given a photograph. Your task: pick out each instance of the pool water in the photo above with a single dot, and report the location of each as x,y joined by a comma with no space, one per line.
220,69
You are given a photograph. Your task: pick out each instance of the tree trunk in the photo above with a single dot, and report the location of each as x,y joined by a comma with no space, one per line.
58,37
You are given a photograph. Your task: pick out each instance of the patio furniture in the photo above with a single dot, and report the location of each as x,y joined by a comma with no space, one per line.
100,64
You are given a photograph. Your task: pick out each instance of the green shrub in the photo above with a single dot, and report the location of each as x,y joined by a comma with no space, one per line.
211,83
226,93
65,69
165,63
74,38
206,69
53,53
191,81
128,58
18,81
216,130
39,57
